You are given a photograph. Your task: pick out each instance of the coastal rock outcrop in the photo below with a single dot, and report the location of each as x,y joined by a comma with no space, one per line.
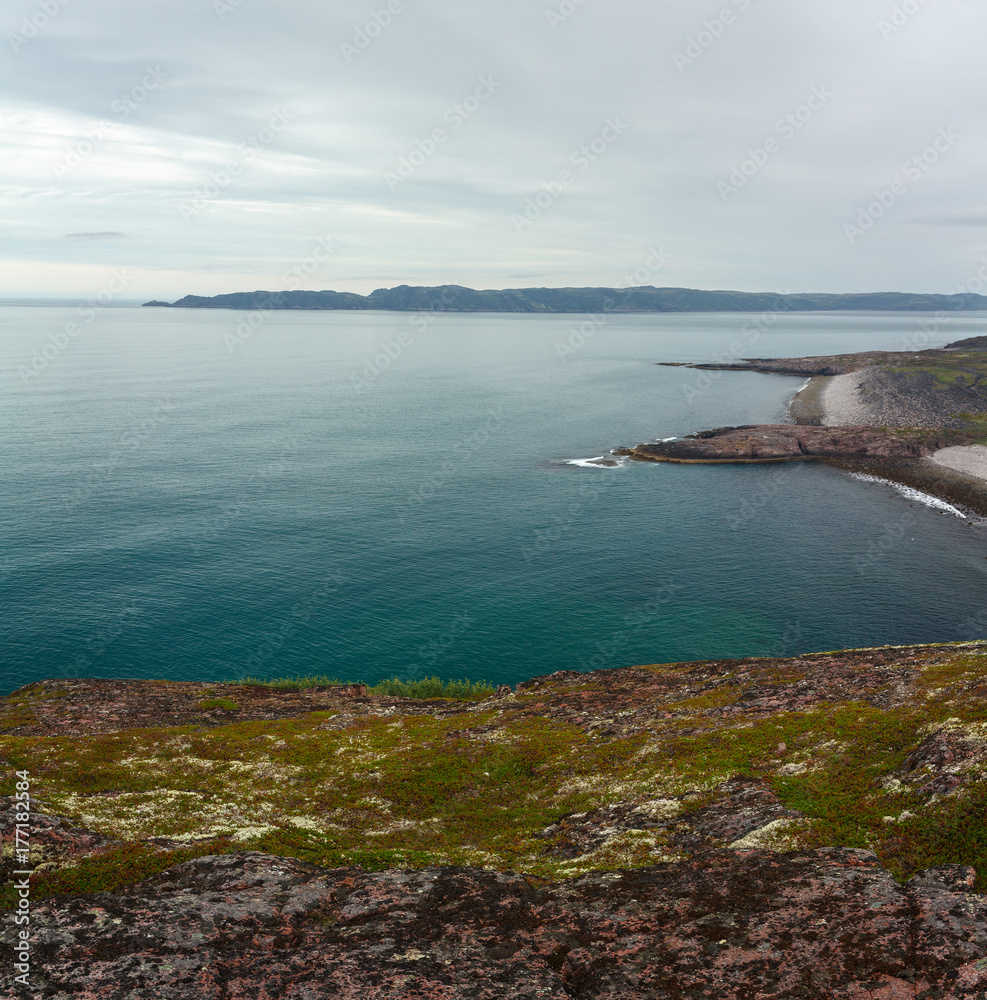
795,827
731,925
795,442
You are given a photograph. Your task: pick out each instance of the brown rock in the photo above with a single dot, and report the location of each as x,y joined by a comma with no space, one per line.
796,442
731,925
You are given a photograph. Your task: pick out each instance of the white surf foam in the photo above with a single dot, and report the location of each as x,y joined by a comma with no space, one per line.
595,463
910,493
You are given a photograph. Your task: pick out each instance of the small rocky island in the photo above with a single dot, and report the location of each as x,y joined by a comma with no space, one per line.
809,827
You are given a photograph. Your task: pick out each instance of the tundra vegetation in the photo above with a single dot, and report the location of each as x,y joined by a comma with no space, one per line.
884,749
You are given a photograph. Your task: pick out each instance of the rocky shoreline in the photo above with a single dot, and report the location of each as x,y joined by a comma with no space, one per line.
792,442
918,418
799,827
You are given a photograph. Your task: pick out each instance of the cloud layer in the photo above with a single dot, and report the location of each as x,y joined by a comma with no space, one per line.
209,145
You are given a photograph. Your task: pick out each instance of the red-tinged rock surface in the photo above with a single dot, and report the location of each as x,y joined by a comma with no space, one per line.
732,925
674,831
50,835
606,702
794,442
82,706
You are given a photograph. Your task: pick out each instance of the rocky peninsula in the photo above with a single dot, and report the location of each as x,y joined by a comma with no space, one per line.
807,827
918,417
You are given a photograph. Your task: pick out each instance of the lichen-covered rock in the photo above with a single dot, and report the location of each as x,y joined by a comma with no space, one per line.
731,925
681,830
52,839
940,764
691,823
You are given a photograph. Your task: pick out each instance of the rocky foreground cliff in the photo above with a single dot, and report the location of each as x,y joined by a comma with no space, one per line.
807,827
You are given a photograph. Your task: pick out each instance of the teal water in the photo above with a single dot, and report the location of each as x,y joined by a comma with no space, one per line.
172,508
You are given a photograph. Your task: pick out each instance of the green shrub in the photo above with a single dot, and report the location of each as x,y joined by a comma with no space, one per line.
426,687
433,687
226,704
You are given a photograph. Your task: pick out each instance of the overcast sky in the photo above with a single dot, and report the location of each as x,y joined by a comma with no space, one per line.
210,146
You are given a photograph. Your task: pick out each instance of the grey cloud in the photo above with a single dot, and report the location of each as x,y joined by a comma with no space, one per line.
96,236
229,66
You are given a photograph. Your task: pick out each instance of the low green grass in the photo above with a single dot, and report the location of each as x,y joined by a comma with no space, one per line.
423,689
226,704
292,683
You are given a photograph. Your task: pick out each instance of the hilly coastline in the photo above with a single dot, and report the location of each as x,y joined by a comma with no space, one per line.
642,299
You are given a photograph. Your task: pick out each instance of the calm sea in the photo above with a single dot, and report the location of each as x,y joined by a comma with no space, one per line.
376,494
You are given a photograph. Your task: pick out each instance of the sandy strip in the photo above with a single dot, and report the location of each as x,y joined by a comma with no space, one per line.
970,459
841,402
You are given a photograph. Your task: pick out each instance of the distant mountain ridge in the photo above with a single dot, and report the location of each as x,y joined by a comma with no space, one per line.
643,299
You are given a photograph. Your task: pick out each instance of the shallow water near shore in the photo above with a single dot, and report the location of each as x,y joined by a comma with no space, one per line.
308,503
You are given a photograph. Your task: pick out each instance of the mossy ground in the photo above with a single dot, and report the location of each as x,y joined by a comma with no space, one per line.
479,787
964,368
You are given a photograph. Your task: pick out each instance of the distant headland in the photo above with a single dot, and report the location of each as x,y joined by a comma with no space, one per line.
642,299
